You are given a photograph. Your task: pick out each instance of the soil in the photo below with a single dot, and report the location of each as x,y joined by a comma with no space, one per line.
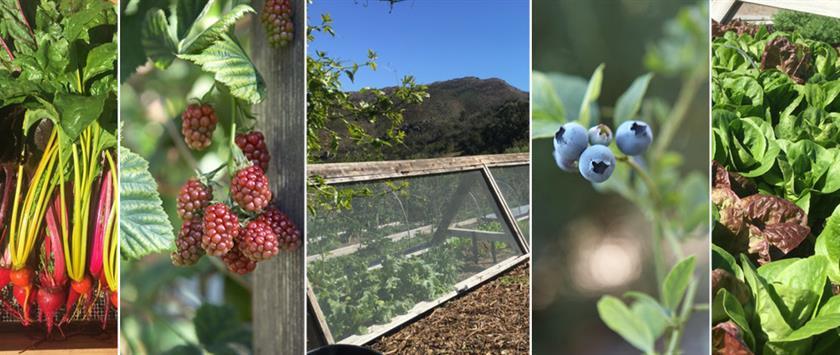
490,319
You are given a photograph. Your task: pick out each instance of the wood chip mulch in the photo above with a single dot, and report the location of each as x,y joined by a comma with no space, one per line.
492,319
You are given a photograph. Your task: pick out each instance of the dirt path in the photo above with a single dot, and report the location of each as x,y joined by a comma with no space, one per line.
492,319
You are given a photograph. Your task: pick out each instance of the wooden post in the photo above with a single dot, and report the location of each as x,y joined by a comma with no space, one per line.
279,295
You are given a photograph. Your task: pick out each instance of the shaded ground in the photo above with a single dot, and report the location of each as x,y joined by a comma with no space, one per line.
493,318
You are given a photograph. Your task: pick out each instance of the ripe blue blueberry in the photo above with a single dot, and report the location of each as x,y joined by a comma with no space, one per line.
570,141
567,165
600,134
597,163
633,137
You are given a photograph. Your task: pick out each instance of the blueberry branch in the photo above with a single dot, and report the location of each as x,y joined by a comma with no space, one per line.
651,185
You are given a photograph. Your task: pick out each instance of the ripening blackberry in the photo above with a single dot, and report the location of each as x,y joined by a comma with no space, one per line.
193,198
188,244
249,189
258,241
288,235
253,145
237,262
221,227
276,17
197,125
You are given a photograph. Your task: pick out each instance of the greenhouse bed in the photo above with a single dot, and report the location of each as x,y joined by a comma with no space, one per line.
493,318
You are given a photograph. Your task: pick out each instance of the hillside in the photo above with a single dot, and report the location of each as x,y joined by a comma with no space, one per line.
464,116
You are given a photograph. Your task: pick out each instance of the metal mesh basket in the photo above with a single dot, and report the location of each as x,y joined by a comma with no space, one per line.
98,312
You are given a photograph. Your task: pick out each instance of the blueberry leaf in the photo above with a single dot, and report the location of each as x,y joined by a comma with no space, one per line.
593,91
630,101
676,282
623,321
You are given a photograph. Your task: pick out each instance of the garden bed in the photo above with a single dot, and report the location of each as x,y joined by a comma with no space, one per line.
493,318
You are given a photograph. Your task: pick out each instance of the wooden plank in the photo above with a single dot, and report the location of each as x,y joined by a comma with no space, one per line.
334,173
722,10
82,338
829,8
279,295
422,308
322,334
505,211
479,234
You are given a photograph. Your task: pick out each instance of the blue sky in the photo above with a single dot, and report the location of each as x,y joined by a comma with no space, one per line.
431,39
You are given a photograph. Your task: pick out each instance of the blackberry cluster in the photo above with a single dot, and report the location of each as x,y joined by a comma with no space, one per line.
253,145
276,17
197,125
244,231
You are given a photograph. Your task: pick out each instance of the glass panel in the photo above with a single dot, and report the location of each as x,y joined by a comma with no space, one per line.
401,242
514,183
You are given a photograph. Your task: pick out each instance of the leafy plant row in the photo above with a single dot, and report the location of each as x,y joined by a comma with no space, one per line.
775,192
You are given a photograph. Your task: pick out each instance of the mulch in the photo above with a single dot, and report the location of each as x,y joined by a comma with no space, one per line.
492,319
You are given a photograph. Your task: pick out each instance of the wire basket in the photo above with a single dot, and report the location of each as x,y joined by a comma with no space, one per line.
100,309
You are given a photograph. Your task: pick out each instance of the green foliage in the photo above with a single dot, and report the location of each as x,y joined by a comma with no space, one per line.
219,331
811,26
768,127
789,308
144,226
777,135
333,113
63,67
647,319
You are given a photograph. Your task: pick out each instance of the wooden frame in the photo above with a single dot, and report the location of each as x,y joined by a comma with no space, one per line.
341,173
723,10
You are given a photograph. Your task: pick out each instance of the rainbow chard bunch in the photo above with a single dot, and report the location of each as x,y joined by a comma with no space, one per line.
57,216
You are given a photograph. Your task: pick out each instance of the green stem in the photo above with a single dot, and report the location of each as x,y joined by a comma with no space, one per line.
687,93
651,185
658,256
685,313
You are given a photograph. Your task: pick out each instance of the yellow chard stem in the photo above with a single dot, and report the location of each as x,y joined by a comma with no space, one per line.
13,235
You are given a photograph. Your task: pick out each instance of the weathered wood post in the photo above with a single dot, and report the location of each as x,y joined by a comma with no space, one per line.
278,286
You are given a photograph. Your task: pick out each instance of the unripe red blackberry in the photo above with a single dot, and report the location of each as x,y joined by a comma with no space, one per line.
253,145
288,235
193,198
237,262
188,244
249,189
277,19
197,125
221,227
258,241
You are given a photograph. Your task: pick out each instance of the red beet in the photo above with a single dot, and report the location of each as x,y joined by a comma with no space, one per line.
50,301
5,277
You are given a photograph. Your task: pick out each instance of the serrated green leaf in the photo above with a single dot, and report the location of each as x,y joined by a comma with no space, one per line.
157,39
593,91
144,225
621,320
630,101
100,60
676,282
201,41
232,67
187,11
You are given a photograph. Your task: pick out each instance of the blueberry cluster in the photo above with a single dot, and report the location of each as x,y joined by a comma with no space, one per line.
590,149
